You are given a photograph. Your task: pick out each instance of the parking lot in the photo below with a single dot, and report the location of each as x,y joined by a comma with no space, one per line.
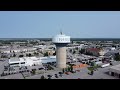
26,73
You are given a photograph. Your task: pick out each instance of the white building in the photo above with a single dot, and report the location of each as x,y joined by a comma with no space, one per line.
40,46
30,61
25,61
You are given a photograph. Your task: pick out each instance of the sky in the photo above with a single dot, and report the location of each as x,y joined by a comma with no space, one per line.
46,24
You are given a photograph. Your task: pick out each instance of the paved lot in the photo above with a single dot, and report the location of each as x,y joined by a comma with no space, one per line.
14,76
83,74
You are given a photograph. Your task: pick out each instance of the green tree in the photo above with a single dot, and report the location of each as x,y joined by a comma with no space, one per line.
77,48
82,51
89,53
70,50
92,72
69,69
36,53
45,54
117,57
74,52
14,55
92,63
20,55
63,70
42,77
28,55
34,71
66,69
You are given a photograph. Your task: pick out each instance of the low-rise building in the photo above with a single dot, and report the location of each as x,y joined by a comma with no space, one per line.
94,51
25,61
115,71
30,61
21,49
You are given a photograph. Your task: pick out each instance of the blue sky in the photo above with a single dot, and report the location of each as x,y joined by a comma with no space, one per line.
45,24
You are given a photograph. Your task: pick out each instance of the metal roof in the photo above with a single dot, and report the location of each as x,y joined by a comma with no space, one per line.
14,59
117,67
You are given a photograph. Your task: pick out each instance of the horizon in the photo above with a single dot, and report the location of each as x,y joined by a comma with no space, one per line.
72,39
45,24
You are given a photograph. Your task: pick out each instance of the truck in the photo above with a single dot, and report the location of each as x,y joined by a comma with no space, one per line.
105,65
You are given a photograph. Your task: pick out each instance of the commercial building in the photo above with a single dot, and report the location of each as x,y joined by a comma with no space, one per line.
25,61
115,71
94,51
30,61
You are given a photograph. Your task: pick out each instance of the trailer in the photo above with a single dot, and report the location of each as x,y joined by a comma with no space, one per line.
105,65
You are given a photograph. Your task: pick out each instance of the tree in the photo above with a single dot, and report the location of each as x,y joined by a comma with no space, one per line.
89,53
36,53
26,55
66,69
54,48
74,52
76,48
3,56
69,69
82,51
46,54
63,70
20,55
117,57
29,55
42,77
92,63
92,72
13,51
33,71
70,50
113,46
14,55
78,42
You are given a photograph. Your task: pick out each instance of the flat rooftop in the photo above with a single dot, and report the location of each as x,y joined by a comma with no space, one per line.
14,59
117,67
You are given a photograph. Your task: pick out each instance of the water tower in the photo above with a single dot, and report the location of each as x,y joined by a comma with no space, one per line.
61,41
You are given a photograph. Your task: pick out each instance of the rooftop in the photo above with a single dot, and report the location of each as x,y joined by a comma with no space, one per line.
14,59
117,67
93,49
